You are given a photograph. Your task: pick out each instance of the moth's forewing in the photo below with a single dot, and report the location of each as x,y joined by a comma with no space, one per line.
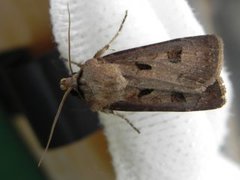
212,98
177,75
185,65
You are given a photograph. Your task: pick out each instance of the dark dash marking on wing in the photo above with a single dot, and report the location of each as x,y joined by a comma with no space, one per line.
144,92
174,56
142,66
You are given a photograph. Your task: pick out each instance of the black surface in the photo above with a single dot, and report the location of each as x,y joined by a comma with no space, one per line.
32,87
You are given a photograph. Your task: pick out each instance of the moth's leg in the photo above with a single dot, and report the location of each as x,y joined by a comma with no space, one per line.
106,47
124,118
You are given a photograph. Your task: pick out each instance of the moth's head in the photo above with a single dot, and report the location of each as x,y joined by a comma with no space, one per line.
69,82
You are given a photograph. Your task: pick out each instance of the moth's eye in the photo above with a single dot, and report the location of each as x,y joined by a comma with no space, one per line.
142,66
144,92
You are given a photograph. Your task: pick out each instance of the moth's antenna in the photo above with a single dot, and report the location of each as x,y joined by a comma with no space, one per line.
106,47
69,40
65,94
131,124
54,124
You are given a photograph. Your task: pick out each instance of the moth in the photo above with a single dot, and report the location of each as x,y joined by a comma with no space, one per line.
177,75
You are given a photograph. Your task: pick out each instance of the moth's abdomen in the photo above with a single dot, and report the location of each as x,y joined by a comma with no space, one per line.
101,83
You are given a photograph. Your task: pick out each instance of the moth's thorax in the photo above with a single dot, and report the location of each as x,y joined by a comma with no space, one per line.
101,83
69,82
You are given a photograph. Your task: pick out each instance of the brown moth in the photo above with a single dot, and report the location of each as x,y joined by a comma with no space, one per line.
177,75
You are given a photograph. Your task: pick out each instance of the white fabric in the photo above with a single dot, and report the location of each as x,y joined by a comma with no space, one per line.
171,146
